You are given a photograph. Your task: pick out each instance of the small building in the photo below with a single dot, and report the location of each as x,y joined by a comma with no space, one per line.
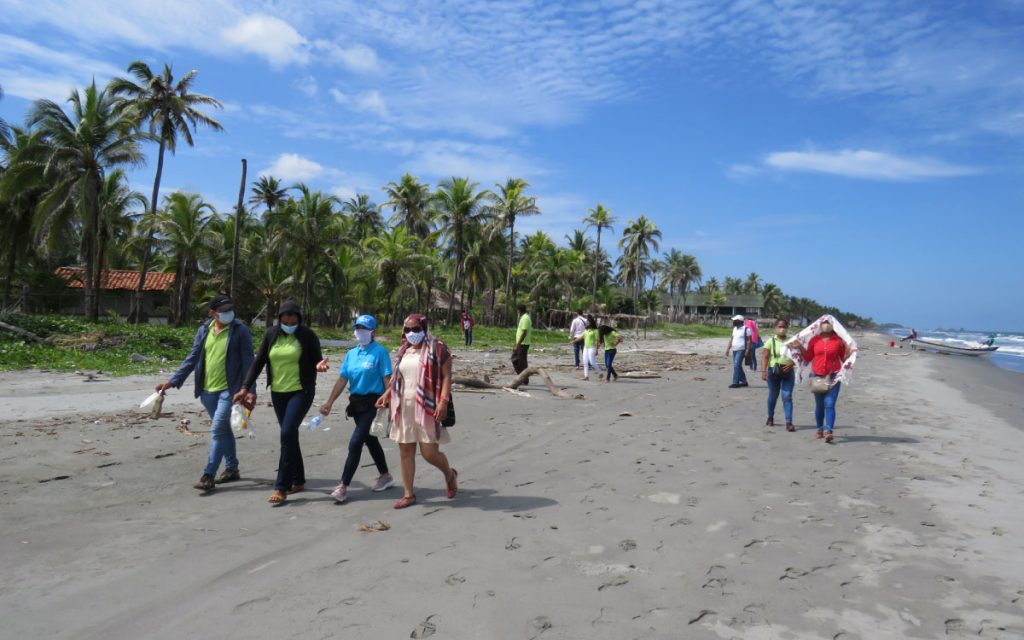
117,289
699,305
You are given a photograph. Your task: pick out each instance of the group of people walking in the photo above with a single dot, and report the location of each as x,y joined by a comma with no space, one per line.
415,395
587,337
825,354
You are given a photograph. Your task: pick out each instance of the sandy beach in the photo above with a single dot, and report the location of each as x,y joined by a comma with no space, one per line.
654,508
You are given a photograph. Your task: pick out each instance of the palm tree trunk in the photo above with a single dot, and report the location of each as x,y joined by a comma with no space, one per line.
597,262
136,314
511,259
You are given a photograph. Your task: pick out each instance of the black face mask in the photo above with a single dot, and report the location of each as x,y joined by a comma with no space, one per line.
737,324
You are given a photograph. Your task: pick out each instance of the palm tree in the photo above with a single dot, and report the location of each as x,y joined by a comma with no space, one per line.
96,136
394,260
732,286
168,109
184,226
599,218
687,273
409,200
365,215
315,227
461,210
712,285
22,185
482,265
510,203
752,285
774,300
578,241
4,128
638,238
268,192
117,202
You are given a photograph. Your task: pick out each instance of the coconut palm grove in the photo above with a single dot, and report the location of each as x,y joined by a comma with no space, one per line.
65,201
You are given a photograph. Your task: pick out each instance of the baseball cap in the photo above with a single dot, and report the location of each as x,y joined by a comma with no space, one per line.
737,317
365,320
221,303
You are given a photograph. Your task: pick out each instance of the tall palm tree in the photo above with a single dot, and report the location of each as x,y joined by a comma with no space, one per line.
409,201
688,273
774,300
22,185
184,226
638,239
752,284
483,265
599,218
510,204
712,285
394,259
461,211
167,109
94,137
315,227
578,241
117,204
365,215
732,286
268,192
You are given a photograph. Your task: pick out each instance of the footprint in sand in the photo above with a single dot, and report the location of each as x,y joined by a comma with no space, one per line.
627,545
248,604
424,629
617,581
537,626
454,579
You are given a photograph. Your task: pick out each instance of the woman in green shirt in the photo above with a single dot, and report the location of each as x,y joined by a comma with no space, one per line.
291,354
610,340
778,371
590,348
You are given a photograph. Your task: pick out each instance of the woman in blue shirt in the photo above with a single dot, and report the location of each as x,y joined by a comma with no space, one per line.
366,371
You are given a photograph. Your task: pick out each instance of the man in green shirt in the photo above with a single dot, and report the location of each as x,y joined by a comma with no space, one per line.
524,334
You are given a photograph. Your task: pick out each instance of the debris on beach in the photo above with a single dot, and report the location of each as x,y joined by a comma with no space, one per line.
371,527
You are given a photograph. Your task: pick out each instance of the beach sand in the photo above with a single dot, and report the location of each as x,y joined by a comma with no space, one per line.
654,508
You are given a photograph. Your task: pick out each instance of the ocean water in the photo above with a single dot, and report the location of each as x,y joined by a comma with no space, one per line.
1011,344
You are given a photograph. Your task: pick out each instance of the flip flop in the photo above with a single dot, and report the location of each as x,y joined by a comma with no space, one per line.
405,501
453,484
296,488
277,497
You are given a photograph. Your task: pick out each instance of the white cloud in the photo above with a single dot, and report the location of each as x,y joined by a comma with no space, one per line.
32,71
372,102
270,37
291,167
358,58
308,85
486,163
863,164
339,96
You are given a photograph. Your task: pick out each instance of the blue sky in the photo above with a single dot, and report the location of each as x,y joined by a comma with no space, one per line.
867,154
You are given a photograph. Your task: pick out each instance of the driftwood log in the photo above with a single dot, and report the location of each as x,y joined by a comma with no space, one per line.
19,331
520,380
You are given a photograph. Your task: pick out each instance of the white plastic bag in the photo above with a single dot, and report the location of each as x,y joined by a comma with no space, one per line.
150,400
381,427
240,421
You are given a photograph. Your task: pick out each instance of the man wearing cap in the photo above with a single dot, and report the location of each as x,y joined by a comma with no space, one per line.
739,345
366,371
221,355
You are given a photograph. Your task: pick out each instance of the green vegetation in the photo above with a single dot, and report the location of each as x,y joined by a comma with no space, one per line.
673,330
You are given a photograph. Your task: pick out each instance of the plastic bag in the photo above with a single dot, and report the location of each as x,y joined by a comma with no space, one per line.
150,400
381,427
240,421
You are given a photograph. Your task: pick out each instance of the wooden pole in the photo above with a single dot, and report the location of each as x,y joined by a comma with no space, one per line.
238,231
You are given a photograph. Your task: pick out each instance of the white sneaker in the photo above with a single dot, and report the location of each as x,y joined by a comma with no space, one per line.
384,482
340,493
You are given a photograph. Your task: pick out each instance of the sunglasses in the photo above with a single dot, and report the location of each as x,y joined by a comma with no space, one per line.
411,329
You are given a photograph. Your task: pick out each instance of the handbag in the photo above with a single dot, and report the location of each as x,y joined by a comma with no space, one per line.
821,385
381,427
449,420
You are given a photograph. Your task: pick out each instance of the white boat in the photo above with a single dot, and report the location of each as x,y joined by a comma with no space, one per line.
942,347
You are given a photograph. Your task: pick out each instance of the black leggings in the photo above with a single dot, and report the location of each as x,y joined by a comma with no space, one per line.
360,436
291,408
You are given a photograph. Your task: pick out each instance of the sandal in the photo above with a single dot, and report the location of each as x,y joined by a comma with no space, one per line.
206,483
790,427
405,501
277,497
296,488
819,435
828,437
453,484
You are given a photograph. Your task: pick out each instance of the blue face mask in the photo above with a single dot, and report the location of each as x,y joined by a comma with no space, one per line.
289,329
226,317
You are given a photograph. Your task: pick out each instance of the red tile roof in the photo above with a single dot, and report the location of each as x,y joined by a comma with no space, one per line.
118,279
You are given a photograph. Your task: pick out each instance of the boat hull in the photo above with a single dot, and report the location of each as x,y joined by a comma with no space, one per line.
953,350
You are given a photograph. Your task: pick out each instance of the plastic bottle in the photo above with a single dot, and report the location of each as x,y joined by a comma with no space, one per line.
312,424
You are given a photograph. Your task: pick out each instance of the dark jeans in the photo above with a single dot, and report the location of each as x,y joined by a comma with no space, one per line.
519,362
577,348
738,376
469,336
291,408
609,358
781,384
360,436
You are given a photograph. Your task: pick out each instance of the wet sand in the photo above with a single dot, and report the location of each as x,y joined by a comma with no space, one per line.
655,508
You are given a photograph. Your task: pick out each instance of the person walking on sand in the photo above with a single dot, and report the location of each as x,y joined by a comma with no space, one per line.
221,353
524,335
739,346
590,349
755,343
576,329
609,339
366,371
467,327
827,354
290,351
419,397
778,370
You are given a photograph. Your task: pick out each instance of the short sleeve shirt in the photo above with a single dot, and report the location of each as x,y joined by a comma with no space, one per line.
773,347
739,336
284,364
610,339
590,338
215,368
365,368
525,330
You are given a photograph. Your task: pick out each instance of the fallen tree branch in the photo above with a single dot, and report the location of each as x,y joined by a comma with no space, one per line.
19,331
640,375
473,383
555,390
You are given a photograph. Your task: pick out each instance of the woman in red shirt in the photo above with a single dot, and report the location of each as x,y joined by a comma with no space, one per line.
826,353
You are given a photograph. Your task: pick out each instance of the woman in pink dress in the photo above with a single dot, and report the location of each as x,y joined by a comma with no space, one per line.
419,398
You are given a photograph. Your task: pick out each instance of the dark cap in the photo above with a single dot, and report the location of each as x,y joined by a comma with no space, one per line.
221,303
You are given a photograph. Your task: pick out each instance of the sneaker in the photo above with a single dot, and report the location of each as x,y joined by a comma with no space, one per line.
770,422
229,475
205,483
340,493
734,386
385,481
828,437
790,427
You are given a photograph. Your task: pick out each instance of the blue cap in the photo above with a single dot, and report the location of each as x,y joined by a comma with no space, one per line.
366,320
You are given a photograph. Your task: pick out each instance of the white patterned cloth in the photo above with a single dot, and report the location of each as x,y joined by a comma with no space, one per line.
803,368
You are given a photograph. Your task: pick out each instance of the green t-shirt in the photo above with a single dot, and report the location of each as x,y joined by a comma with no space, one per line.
610,340
773,346
589,338
215,367
525,331
284,364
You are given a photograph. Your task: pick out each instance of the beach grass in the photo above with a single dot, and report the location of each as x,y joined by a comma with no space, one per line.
677,331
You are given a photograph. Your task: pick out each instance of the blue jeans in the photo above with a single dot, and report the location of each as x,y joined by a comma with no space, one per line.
825,408
738,376
609,358
360,436
222,441
291,408
577,348
783,384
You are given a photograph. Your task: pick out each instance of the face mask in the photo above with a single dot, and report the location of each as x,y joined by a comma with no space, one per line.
226,317
737,324
780,332
289,329
826,328
415,337
363,336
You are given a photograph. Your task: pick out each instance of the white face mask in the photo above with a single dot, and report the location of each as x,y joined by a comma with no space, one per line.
363,336
415,337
